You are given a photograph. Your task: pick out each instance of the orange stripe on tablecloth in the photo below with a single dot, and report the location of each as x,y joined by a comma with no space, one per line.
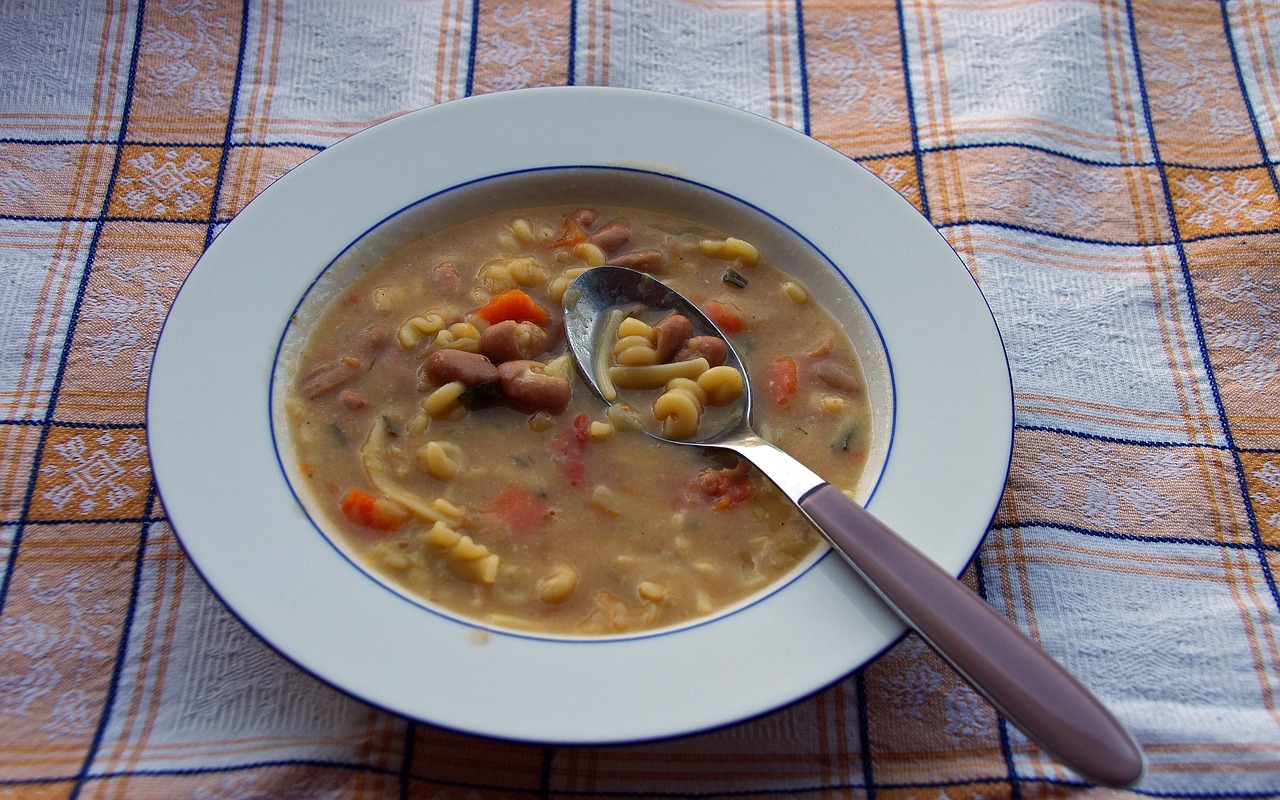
44,324
265,61
329,128
441,48
461,50
606,14
589,73
950,158
1067,255
1101,558
269,41
598,30
1052,131
449,52
1262,642
105,87
1268,69
771,61
1262,57
1176,347
1175,426
153,655
784,68
1141,195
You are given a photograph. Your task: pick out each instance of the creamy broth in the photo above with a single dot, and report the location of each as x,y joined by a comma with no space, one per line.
447,443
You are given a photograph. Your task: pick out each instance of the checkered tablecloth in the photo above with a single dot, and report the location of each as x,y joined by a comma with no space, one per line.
1106,169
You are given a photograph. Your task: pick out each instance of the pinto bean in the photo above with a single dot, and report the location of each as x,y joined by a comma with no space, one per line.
444,279
514,341
373,338
527,387
611,238
837,377
352,399
709,347
325,377
670,334
446,366
644,260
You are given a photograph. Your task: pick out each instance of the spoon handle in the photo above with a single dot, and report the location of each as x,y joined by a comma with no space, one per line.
1019,678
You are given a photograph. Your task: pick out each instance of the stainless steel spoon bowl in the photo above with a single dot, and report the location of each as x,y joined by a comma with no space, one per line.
1023,682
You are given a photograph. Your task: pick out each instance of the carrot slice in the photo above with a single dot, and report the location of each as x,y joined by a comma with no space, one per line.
571,234
725,316
379,513
782,380
514,305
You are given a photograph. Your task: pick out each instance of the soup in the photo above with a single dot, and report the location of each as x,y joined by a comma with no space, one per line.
448,445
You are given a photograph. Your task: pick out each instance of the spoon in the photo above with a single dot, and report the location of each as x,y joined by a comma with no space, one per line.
1019,678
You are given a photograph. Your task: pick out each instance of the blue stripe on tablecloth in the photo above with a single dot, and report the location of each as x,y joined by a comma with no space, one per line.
471,54
802,64
911,112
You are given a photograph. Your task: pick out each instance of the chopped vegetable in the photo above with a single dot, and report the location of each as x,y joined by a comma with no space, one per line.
782,380
571,235
513,304
725,316
722,488
379,513
571,446
521,510
732,276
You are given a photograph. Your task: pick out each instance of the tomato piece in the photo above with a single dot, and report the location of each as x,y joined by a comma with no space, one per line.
783,380
722,488
521,510
571,446
726,316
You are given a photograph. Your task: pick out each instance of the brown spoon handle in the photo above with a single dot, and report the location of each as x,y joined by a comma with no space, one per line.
1019,678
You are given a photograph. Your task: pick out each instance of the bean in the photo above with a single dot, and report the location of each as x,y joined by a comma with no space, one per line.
352,399
514,341
325,377
837,377
444,279
709,347
373,338
670,334
611,238
446,366
644,260
586,217
529,389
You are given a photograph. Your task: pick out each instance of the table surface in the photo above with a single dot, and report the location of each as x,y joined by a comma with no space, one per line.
1106,170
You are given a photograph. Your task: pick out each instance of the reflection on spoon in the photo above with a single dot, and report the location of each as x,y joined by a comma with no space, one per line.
1022,681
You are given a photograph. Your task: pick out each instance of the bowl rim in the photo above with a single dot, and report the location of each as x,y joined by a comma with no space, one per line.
577,704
